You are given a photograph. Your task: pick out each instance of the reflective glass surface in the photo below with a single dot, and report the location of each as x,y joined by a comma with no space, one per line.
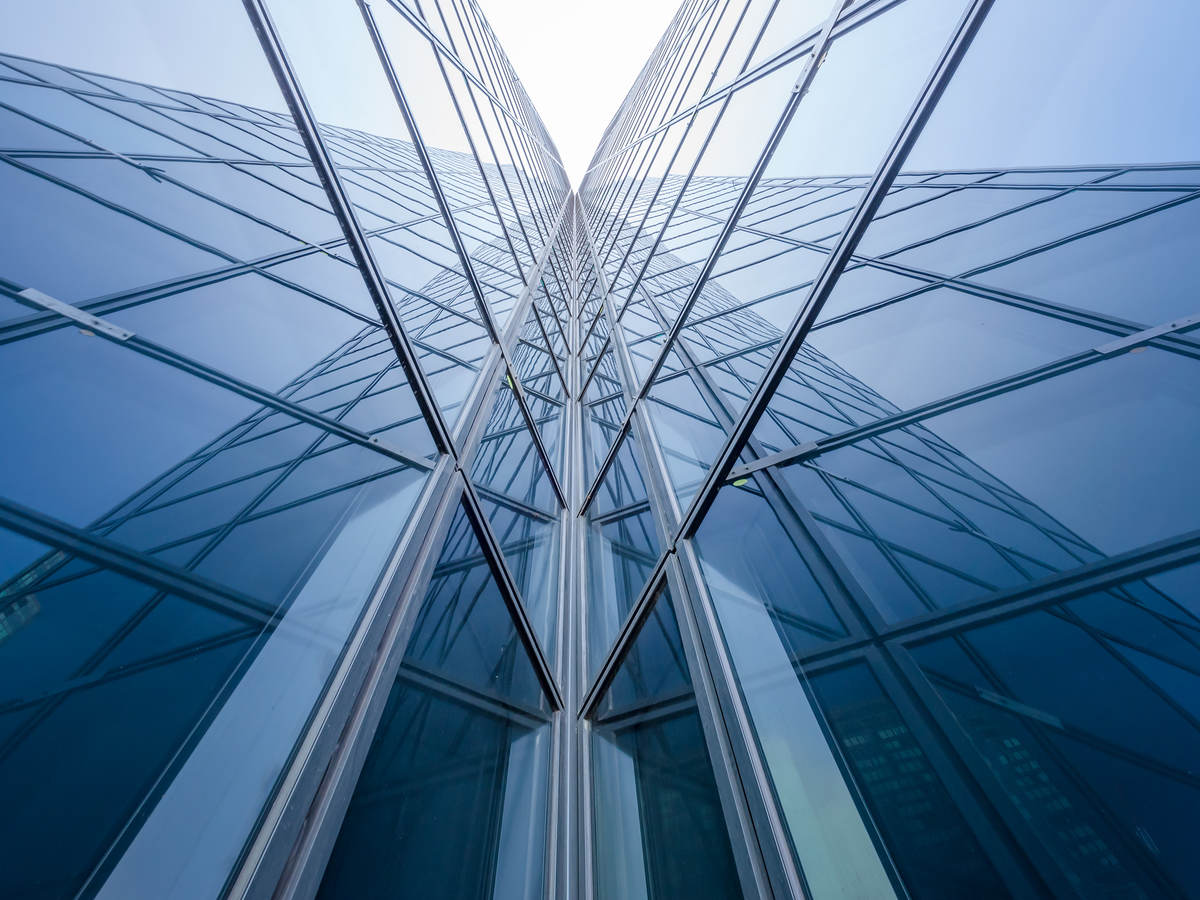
384,176
622,546
933,847
962,504
209,552
659,829
771,609
523,509
1083,715
994,403
796,211
452,798
312,362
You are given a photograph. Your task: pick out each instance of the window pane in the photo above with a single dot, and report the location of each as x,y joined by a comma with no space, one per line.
360,120
659,829
451,802
935,851
1063,472
771,609
1087,128
1102,777
622,548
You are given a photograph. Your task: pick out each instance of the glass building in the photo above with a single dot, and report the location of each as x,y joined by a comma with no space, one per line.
807,506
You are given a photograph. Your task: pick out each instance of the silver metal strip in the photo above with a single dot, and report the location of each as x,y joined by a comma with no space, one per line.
86,319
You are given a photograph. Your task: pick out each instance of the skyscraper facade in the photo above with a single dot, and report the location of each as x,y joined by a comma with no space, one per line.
805,506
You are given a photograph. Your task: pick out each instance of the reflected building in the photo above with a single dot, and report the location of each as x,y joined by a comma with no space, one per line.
804,506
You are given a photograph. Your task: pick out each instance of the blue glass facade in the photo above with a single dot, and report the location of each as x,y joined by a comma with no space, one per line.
806,506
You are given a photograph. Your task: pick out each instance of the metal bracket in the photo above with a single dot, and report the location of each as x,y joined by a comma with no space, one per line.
86,319
1149,334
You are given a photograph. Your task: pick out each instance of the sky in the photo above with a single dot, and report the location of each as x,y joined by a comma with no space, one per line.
577,59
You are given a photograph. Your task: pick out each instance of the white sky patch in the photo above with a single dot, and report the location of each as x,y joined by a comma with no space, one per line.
577,59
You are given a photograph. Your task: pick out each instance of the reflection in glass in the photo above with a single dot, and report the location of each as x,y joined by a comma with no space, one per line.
935,851
800,206
372,148
771,609
451,802
962,504
248,541
659,829
622,549
1084,713
521,505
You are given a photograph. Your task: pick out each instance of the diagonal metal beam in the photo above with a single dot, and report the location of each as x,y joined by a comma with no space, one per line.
343,210
936,83
508,588
147,569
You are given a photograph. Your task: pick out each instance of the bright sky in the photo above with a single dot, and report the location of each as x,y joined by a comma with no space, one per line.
577,59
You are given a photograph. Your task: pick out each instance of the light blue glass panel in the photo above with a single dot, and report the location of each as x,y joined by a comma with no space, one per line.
771,608
1063,472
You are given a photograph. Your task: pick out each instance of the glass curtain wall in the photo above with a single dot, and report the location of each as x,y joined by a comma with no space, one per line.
900,300
806,506
262,266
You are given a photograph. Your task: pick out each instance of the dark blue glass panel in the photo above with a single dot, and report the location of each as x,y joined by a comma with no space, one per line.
105,680
507,461
1084,714
530,544
97,422
451,802
937,855
659,827
294,526
688,433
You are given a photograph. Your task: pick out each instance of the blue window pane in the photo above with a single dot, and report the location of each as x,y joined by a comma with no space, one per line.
531,548
771,611
687,431
99,422
1063,472
652,770
751,562
1122,81
372,147
507,461
935,851
461,742
98,699
1102,777
95,226
73,248
623,547
293,527
933,345
229,325
1087,128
